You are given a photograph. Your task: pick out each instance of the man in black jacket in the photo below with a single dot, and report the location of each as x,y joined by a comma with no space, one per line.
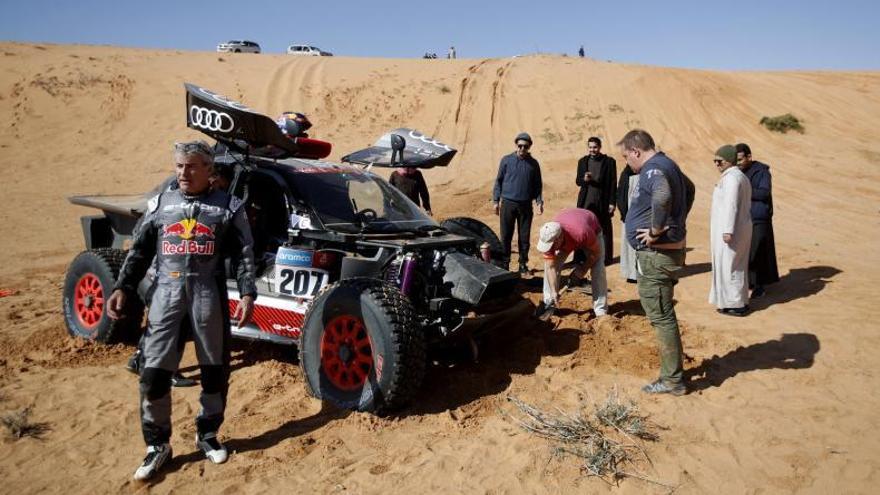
518,184
597,178
762,256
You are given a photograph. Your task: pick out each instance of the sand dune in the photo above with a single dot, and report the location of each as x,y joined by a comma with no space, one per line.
787,403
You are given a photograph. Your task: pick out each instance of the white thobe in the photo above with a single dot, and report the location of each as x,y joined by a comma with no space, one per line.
731,204
627,253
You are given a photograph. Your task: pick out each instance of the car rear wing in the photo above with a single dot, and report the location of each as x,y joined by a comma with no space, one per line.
244,130
403,148
123,204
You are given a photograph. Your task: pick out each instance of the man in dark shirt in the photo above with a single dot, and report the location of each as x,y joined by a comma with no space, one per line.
655,228
762,255
517,185
597,176
411,183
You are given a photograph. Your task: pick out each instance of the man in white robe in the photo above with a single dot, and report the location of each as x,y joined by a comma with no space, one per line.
730,236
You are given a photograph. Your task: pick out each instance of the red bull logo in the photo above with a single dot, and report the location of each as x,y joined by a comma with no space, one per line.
188,228
188,247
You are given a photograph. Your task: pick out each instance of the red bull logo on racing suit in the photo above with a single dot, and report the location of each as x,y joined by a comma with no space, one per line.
188,230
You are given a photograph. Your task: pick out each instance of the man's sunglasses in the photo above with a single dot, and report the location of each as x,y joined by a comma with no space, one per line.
717,162
524,146
193,147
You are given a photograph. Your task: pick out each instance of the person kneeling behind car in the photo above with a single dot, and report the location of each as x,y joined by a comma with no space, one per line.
572,229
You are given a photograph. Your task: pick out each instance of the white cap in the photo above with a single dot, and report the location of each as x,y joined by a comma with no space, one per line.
550,231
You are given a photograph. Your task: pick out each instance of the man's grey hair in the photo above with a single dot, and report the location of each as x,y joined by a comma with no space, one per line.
197,148
637,139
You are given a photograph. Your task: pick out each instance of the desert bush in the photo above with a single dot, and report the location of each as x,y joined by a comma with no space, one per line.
19,425
605,440
445,89
782,123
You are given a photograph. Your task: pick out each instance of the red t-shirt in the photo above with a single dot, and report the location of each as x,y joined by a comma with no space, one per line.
580,229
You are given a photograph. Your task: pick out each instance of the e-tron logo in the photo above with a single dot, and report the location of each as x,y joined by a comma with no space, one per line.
210,120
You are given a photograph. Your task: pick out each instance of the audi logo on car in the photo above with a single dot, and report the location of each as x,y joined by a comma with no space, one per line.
210,120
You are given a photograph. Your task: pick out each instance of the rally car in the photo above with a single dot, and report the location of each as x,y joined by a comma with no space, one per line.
350,271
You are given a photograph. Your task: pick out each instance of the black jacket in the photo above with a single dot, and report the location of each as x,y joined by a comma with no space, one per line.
605,185
762,199
623,191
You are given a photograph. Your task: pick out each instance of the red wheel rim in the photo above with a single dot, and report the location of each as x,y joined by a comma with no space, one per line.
88,300
346,352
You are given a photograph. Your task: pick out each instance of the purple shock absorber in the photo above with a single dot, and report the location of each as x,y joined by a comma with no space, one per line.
406,273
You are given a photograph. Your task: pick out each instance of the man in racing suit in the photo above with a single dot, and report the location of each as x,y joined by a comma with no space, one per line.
189,230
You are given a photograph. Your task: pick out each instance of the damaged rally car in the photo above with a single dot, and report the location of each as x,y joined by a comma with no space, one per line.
350,271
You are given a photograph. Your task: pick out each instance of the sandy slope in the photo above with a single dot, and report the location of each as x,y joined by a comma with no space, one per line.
787,402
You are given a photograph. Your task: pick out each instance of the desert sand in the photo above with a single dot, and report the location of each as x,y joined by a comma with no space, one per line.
784,401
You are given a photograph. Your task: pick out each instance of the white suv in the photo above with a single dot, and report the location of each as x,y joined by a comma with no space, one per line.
308,51
236,46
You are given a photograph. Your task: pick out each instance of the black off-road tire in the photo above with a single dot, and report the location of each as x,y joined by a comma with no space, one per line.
478,230
380,364
87,286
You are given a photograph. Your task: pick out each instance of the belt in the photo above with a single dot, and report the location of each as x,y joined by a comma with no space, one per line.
646,249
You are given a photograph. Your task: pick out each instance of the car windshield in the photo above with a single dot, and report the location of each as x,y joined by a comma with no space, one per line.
350,200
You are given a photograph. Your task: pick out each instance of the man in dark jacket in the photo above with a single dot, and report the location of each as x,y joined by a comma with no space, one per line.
596,176
762,255
411,182
517,185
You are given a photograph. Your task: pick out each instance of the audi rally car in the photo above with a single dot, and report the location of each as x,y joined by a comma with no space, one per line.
350,271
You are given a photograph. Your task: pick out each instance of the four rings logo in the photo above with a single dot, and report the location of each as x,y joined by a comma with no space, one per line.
210,120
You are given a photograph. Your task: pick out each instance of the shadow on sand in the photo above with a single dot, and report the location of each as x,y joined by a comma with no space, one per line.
791,351
796,284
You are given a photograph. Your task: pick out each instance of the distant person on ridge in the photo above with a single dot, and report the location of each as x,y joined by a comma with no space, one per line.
517,185
411,183
762,254
451,54
581,52
597,178
730,236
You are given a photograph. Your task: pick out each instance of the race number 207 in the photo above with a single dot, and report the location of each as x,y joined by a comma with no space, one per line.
299,282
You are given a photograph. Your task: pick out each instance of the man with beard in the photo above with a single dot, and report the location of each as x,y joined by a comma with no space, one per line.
597,176
730,236
517,185
762,255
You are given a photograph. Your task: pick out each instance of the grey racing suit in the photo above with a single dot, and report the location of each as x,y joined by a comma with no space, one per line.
190,236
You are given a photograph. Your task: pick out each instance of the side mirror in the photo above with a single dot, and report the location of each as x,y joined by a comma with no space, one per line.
398,143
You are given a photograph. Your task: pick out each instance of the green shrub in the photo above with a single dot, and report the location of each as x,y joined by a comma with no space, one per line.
783,123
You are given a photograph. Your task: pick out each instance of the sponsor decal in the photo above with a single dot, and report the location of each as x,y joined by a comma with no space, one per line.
188,228
293,257
294,331
421,137
188,247
210,120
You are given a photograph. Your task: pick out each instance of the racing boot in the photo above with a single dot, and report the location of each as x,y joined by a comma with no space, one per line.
213,449
157,456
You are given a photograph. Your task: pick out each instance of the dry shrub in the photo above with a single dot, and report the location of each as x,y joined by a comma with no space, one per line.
19,425
607,437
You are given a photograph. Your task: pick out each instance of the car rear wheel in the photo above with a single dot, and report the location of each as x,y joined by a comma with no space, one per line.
361,347
473,228
87,286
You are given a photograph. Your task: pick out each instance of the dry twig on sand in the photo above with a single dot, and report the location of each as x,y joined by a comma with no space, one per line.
606,440
18,424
